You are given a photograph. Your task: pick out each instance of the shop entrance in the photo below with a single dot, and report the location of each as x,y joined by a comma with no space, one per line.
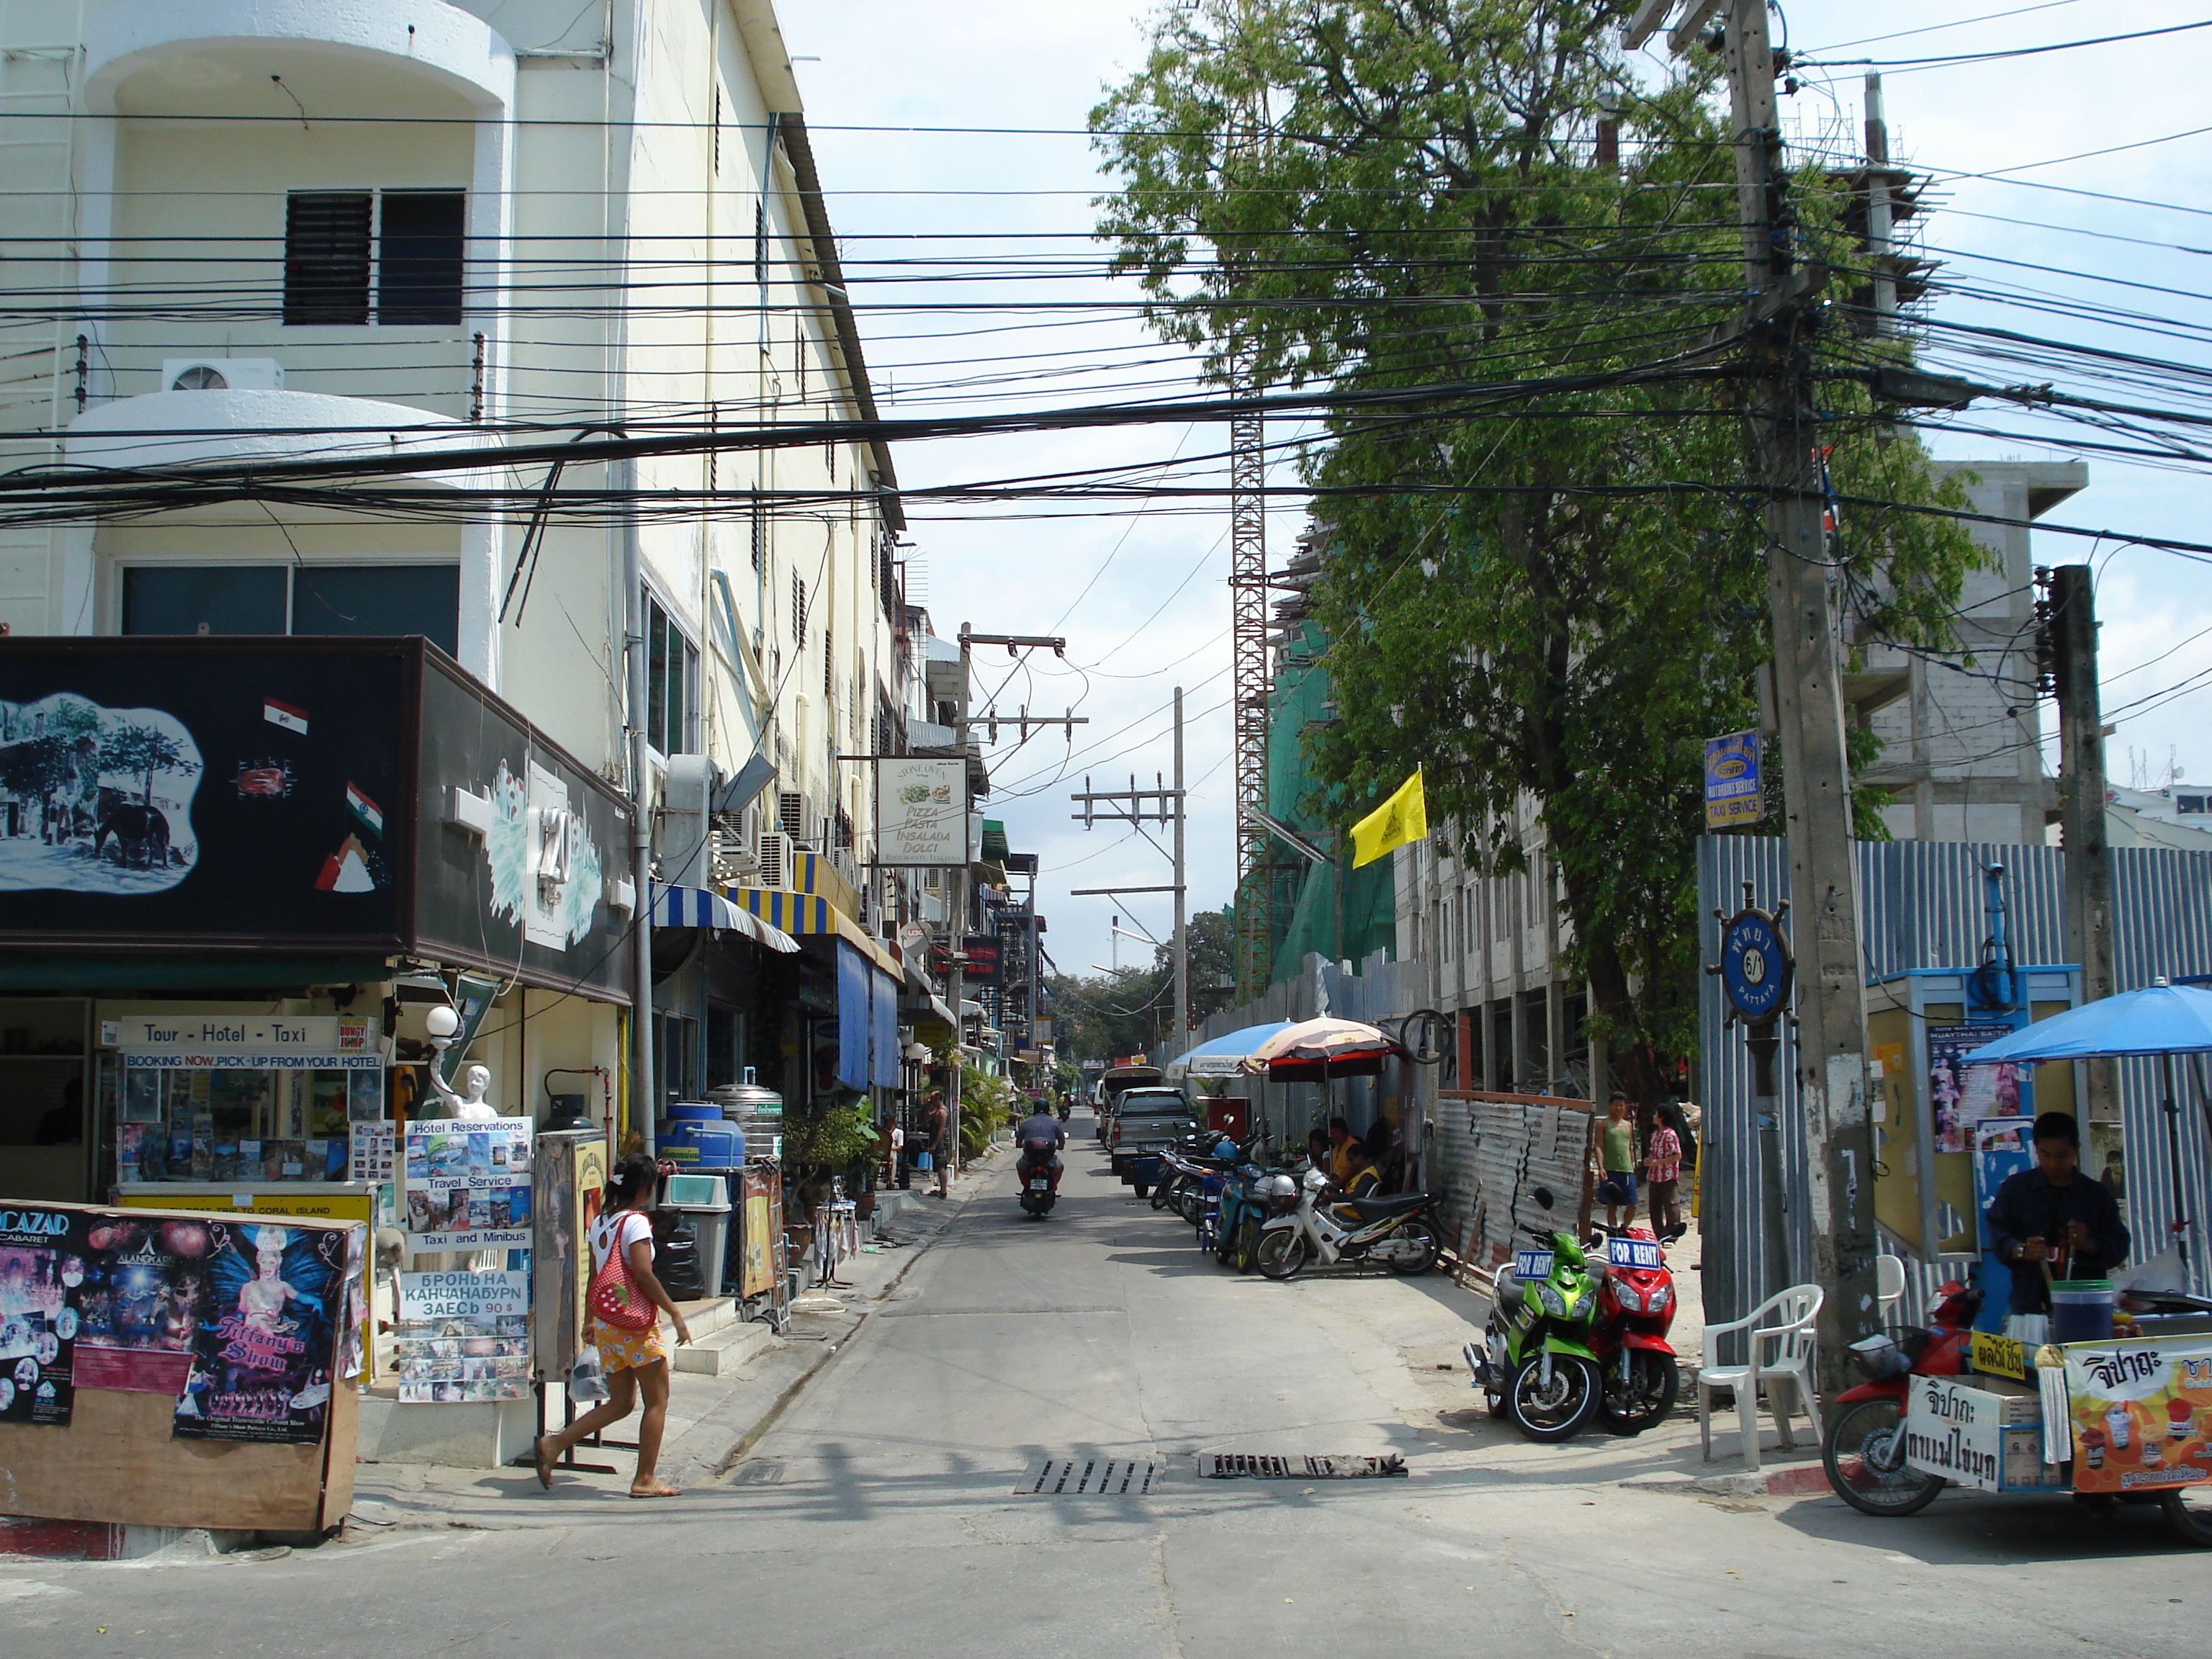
43,1129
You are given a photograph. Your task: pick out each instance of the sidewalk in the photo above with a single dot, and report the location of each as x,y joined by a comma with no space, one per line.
712,1417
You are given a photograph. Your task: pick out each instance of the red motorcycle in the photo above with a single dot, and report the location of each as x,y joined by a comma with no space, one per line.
1864,1447
1636,1307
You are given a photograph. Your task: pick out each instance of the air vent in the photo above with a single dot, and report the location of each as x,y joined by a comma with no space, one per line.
221,374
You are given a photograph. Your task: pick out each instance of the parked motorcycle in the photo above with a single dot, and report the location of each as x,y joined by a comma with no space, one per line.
1399,1232
1635,1310
1534,1364
1863,1451
1246,1206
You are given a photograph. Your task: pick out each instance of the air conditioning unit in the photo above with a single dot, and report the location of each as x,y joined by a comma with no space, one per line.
777,859
791,817
221,374
734,861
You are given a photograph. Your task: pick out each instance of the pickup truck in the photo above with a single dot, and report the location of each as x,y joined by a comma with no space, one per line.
1146,1121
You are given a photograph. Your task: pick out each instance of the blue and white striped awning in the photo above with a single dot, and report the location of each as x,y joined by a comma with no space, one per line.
697,907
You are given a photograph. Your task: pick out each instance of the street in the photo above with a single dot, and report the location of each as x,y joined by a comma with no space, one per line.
878,1514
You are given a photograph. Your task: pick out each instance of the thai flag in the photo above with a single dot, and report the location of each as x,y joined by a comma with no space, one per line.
284,714
365,809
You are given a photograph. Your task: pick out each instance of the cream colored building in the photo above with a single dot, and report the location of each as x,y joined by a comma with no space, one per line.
273,231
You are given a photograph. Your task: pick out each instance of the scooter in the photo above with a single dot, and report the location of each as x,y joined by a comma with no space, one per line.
1040,1181
1635,1310
1863,1451
1397,1232
1534,1364
1246,1205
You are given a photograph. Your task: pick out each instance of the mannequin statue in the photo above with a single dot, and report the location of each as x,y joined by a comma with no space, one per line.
475,1079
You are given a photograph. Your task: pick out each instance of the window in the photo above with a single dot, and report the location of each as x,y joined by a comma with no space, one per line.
759,516
418,265
829,675
759,243
416,256
797,611
327,255
671,682
354,600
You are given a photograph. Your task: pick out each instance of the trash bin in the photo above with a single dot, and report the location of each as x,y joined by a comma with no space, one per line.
704,1203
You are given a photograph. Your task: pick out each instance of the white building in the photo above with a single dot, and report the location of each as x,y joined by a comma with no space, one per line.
276,231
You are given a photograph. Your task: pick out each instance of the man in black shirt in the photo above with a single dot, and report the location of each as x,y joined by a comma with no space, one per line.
1041,1137
2054,1214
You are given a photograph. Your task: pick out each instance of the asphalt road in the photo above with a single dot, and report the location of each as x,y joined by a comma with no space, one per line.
880,1515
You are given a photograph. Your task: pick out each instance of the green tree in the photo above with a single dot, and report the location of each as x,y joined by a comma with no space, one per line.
1546,596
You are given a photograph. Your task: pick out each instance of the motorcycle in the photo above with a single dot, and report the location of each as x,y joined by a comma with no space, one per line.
1396,1232
1040,1181
1635,1309
1246,1205
1863,1451
1534,1364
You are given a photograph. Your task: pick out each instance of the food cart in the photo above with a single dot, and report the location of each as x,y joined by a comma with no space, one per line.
2126,1418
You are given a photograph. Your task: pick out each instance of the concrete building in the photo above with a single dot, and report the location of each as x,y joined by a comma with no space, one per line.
263,232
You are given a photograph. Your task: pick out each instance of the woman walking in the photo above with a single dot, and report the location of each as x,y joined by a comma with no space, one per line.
637,1362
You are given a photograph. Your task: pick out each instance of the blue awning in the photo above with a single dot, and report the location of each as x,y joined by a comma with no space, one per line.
696,907
868,1022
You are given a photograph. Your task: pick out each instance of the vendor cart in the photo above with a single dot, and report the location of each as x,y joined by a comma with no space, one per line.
2128,1418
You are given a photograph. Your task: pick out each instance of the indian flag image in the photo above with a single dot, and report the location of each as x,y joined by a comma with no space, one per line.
284,714
365,809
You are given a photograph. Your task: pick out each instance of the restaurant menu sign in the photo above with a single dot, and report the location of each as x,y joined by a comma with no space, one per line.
2142,1413
468,1183
921,812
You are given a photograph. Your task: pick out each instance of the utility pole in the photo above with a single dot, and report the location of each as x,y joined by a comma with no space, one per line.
1163,804
2073,653
1831,1059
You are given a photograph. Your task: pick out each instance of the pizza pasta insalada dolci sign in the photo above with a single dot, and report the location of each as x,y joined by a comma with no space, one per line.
41,1265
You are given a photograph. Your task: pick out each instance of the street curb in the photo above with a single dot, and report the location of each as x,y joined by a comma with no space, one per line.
1796,1480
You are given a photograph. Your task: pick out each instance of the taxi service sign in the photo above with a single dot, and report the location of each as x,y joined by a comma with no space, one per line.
1733,794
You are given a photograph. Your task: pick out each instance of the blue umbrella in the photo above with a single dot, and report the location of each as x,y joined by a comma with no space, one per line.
1227,1051
2160,1019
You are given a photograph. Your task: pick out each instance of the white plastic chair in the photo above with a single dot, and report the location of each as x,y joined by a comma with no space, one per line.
1888,1286
1779,1349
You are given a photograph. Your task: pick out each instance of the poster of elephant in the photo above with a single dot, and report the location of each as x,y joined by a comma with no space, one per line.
95,799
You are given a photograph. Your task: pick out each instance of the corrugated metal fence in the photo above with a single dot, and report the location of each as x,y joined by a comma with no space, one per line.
1922,905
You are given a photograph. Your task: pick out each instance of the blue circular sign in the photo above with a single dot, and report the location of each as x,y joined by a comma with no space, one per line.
1755,967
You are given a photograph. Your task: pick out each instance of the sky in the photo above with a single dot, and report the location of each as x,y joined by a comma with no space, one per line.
2027,241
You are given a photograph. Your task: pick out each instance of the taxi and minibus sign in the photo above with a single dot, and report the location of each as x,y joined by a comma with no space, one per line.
1733,794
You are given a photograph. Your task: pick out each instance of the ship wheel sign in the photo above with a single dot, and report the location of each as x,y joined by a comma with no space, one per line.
1755,971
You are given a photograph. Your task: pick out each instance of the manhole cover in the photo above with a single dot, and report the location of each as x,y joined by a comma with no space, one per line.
1267,1466
761,1472
1073,1477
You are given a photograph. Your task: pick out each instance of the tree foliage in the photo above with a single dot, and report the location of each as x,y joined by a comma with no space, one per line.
1547,597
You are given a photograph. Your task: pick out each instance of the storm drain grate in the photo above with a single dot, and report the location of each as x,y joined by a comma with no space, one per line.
760,1472
1093,1477
1266,1466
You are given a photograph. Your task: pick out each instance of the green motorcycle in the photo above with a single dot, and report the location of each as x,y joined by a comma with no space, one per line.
1534,1363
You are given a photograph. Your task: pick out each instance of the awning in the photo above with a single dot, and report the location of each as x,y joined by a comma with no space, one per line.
811,912
697,907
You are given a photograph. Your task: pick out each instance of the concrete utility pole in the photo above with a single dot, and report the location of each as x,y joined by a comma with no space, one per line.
1137,808
2073,642
1831,1068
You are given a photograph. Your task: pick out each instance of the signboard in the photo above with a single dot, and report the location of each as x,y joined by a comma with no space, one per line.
462,1295
1633,1252
468,1183
984,965
921,812
158,793
2142,1413
41,1269
1955,1430
374,1151
1733,794
1959,1094
1530,1265
267,1347
2000,1356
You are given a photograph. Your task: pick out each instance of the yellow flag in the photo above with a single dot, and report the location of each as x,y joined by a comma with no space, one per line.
1397,821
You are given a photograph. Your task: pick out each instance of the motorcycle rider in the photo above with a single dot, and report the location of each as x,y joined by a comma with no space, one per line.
1040,1136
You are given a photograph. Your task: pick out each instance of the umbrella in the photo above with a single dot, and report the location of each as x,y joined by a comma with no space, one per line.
1224,1056
2160,1019
1314,1050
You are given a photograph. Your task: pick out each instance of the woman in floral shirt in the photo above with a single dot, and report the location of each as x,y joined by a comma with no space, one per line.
1662,1169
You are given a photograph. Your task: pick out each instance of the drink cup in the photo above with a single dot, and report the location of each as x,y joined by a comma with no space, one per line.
2093,1448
